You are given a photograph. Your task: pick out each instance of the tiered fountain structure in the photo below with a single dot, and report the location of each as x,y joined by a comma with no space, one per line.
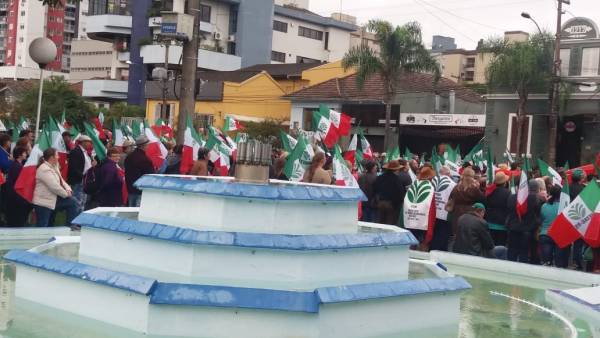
240,257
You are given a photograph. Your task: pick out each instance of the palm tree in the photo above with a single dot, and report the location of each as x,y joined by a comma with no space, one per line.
520,67
401,50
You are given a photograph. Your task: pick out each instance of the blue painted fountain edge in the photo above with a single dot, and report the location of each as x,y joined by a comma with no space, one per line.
576,300
281,192
244,239
78,270
235,297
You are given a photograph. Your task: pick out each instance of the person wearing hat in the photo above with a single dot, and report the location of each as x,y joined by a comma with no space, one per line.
497,208
390,189
128,146
472,237
79,163
137,164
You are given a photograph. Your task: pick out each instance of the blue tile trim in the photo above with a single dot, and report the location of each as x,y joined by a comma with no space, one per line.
594,307
220,296
235,297
86,272
297,301
285,192
246,240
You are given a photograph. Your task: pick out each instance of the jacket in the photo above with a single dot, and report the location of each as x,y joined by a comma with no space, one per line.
497,206
321,176
389,187
76,167
366,183
472,237
137,164
463,200
5,161
48,185
530,221
9,196
110,185
173,165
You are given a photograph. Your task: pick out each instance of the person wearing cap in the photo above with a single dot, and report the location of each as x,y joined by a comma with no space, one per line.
79,163
497,208
472,237
390,190
137,164
522,228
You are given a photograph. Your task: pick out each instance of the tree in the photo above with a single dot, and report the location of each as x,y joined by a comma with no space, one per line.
267,131
401,50
122,109
58,97
520,67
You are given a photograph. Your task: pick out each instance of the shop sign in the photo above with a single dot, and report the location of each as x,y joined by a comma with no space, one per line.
579,28
458,120
570,127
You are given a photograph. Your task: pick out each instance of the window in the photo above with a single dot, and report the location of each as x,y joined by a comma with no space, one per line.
511,139
277,56
205,13
326,40
302,59
590,61
470,63
310,33
469,75
22,13
280,26
565,56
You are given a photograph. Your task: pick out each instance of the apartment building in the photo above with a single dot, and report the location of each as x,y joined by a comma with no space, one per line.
22,21
235,34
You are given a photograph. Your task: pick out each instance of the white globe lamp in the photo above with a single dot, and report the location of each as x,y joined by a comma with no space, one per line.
42,51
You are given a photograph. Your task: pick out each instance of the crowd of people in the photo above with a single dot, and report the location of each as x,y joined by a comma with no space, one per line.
476,220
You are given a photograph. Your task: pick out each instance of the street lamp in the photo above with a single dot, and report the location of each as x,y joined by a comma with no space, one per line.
527,16
42,51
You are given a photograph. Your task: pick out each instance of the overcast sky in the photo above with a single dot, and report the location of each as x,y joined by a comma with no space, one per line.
465,20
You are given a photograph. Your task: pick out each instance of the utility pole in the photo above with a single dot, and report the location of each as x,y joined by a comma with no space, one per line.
187,101
555,91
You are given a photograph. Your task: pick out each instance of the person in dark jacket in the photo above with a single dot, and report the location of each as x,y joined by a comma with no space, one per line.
366,183
16,207
79,163
5,158
174,161
521,229
137,164
472,237
110,187
497,209
390,191
465,194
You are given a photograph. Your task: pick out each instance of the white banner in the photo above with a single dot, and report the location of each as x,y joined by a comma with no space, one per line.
458,120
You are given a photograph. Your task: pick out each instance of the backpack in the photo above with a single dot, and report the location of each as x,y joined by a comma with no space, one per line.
91,181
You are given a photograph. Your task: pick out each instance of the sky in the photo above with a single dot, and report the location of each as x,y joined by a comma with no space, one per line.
465,20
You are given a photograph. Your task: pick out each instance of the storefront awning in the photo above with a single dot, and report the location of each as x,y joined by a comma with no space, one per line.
447,133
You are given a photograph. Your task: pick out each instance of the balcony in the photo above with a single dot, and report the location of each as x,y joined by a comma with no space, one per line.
123,56
108,27
105,89
155,54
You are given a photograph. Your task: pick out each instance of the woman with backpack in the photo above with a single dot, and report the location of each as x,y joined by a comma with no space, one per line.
51,192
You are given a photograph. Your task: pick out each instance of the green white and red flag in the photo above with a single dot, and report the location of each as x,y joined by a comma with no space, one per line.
23,124
326,131
522,194
98,122
25,184
218,154
547,170
63,120
191,144
118,134
232,124
340,121
342,174
565,195
99,148
581,219
56,141
2,126
350,153
491,186
298,160
156,151
365,146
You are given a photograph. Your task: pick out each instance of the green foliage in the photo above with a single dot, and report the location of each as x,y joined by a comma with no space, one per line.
265,131
145,41
58,96
401,50
520,67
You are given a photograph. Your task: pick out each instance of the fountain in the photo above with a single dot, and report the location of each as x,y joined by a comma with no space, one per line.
241,257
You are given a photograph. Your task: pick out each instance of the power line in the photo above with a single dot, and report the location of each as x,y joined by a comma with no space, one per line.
461,17
444,22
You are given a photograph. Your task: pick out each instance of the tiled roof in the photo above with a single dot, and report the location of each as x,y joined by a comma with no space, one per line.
17,87
283,70
346,89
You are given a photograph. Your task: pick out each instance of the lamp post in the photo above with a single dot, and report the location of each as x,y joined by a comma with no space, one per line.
527,16
42,51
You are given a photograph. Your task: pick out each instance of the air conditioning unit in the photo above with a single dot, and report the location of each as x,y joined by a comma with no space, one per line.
217,36
231,38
